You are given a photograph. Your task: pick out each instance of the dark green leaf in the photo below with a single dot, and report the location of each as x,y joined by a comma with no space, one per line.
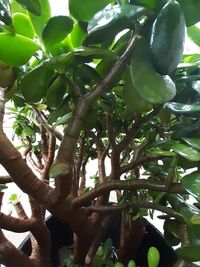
192,110
189,253
95,52
56,29
191,11
39,22
191,183
147,3
196,86
35,84
186,152
31,5
111,20
3,187
86,10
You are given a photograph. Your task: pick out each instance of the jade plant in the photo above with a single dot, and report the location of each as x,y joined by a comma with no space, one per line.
110,84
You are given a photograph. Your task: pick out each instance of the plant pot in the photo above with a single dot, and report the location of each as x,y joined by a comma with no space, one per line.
62,236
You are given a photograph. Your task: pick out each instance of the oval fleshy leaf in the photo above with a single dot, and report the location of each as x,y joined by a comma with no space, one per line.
33,6
192,110
189,253
56,29
187,152
191,183
193,142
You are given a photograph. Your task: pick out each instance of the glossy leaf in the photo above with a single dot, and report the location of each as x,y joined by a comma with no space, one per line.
39,22
187,211
196,86
153,87
189,253
186,151
63,120
16,50
33,6
56,29
5,15
192,110
194,34
111,20
86,10
191,183
35,84
153,257
23,25
193,142
77,35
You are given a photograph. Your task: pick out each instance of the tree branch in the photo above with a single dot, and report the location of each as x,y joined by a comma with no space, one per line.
108,186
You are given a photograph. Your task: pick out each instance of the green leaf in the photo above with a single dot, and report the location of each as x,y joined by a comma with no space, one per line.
86,10
39,22
189,253
63,120
187,152
111,20
23,25
193,142
187,211
16,50
191,183
194,34
35,84
31,5
192,110
5,15
55,93
191,11
153,257
14,199
56,29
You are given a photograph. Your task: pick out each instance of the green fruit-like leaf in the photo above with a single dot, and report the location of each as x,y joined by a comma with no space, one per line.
35,84
23,25
32,5
192,110
39,22
193,142
191,11
131,263
111,20
167,38
86,10
16,50
153,257
186,151
189,253
194,34
191,183
5,15
56,29
153,87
